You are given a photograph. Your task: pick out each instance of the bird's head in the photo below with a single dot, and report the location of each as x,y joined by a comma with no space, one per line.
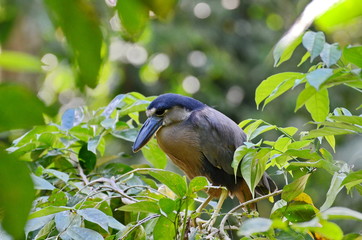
165,110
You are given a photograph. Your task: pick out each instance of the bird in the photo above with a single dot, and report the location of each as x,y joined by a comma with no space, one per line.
201,141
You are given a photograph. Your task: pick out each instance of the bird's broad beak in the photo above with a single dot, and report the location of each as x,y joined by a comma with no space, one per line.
148,129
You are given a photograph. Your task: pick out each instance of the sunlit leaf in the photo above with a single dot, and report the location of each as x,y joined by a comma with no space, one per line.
198,183
72,117
41,183
327,165
352,179
37,223
304,58
47,211
334,188
353,55
304,96
341,213
164,229
327,131
314,43
65,219
17,61
283,52
154,154
269,85
143,206
172,180
295,188
318,105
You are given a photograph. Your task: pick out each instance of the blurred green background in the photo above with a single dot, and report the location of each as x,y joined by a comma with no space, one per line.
217,51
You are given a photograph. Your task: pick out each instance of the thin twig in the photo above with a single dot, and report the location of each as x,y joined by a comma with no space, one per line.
139,224
240,206
82,175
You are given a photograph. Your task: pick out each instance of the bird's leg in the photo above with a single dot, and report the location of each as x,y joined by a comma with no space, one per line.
223,196
200,208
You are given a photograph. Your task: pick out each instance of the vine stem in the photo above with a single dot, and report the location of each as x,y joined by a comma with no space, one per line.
240,206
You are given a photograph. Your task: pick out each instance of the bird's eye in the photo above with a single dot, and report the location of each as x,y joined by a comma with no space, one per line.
160,112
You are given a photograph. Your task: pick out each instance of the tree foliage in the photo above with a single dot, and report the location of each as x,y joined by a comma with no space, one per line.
59,181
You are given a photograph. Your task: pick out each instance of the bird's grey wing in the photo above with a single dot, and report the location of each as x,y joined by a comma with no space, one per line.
219,137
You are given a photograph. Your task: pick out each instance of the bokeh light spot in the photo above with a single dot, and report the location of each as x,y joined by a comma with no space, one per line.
274,22
137,55
202,10
191,84
230,4
160,62
50,62
235,95
197,59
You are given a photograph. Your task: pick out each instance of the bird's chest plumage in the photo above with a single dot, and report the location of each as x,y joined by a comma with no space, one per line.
181,143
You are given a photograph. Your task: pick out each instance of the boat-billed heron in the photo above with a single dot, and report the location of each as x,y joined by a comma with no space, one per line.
200,140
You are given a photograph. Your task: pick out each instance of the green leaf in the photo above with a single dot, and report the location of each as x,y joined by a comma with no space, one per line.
327,131
61,175
198,183
304,96
96,216
284,50
134,17
16,196
127,134
162,9
295,188
87,159
266,87
37,223
328,230
167,205
19,108
255,225
298,211
65,219
314,43
57,198
239,154
18,61
47,211
172,180
80,25
318,77
353,55
348,119
93,144
46,230
79,233
304,58
327,165
334,188
331,54
153,153
143,206
341,213
318,106
164,229
353,179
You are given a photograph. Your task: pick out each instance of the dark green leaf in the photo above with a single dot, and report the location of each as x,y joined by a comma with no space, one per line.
331,54
87,159
172,180
314,43
295,188
17,61
255,225
143,206
318,77
134,17
153,153
164,229
299,212
80,25
96,216
353,55
19,108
